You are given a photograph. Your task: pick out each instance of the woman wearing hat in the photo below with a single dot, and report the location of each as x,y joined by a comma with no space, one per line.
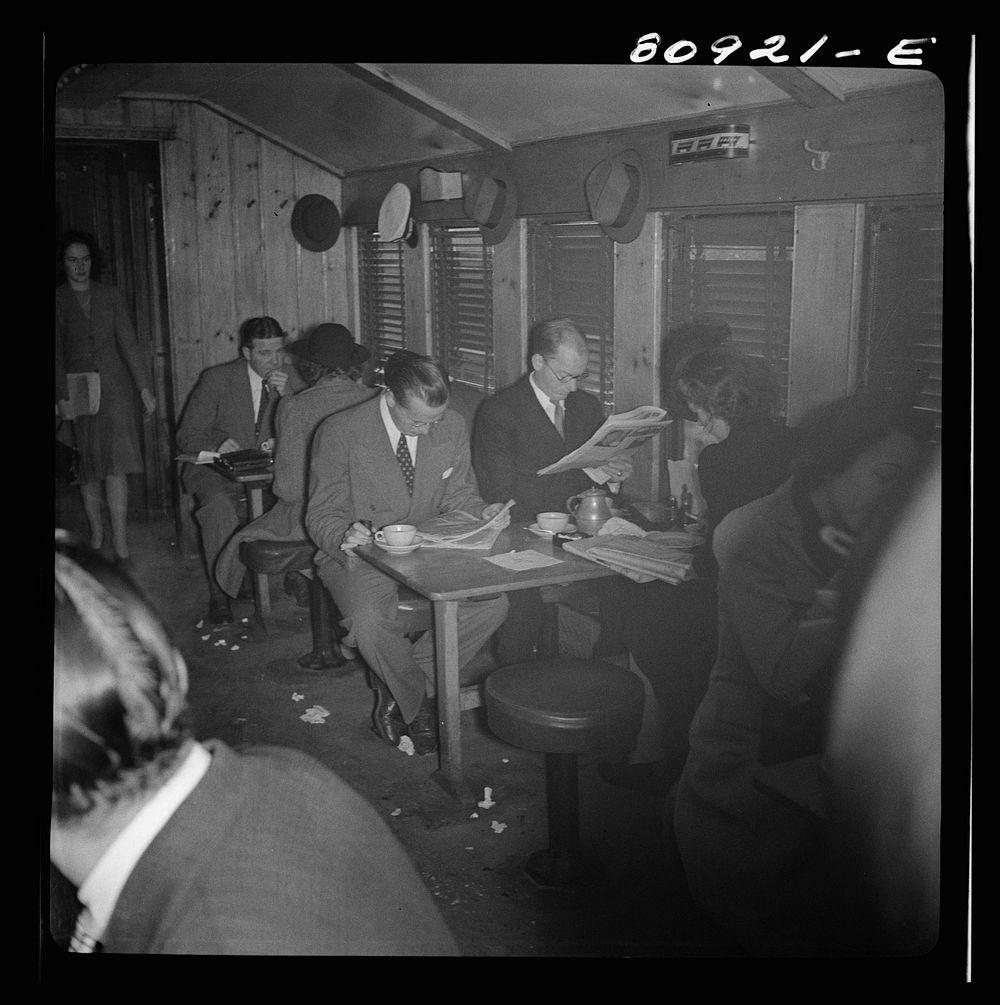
330,362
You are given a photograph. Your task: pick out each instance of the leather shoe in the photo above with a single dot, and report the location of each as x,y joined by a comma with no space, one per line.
297,586
219,612
387,721
423,730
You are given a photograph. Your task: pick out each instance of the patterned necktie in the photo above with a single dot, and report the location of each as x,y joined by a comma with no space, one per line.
405,462
560,417
82,941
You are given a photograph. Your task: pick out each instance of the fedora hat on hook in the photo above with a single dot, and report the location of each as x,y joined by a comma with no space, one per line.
315,222
394,220
618,195
491,200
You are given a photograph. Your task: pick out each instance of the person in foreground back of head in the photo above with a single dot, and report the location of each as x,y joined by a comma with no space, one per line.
186,847
756,857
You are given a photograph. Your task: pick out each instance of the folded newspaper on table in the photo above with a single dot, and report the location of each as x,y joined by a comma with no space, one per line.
459,529
619,434
640,558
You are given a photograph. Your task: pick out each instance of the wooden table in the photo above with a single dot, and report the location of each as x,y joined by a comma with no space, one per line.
254,484
446,576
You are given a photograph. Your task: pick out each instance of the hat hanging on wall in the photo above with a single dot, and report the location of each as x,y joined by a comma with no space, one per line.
394,220
618,195
491,201
315,222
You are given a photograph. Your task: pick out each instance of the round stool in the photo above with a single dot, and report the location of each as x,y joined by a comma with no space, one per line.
563,708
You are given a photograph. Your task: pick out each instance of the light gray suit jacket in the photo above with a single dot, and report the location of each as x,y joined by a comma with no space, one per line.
354,475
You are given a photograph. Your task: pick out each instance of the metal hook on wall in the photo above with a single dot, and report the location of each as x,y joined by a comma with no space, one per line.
819,161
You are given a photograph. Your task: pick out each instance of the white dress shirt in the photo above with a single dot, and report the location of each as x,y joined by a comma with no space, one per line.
256,383
99,891
394,433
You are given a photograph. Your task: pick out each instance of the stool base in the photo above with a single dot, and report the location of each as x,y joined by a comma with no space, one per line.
562,868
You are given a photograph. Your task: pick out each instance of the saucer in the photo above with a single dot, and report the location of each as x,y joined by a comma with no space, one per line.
400,549
538,532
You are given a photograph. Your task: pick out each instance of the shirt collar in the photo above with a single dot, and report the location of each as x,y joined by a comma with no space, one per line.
391,430
100,890
543,399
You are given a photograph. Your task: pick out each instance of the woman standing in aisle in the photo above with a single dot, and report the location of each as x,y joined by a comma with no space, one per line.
95,334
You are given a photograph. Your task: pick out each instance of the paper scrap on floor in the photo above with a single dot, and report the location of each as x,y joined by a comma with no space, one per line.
520,561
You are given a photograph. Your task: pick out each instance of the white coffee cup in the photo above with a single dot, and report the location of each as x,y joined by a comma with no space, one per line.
396,535
553,522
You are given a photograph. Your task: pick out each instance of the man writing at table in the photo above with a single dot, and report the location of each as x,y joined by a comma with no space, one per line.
402,457
232,408
528,426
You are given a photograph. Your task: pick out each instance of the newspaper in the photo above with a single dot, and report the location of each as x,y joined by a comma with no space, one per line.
656,555
84,393
462,530
620,434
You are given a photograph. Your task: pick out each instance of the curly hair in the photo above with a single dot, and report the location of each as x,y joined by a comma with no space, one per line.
728,385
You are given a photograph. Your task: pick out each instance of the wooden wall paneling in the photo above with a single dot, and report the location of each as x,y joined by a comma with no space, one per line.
181,246
247,208
277,188
637,329
310,265
214,216
824,302
510,305
416,295
349,239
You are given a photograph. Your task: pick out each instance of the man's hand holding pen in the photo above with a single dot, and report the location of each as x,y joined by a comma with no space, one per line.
359,533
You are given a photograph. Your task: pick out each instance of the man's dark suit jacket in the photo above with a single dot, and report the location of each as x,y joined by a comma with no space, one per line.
273,855
513,438
221,407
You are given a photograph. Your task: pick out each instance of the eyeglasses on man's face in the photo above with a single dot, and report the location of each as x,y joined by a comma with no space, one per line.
565,378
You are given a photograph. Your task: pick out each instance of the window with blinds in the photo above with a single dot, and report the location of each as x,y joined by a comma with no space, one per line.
462,304
901,332
381,289
571,273
734,268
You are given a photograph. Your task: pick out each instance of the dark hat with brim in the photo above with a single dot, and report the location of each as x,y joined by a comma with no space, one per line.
315,222
492,202
618,195
329,345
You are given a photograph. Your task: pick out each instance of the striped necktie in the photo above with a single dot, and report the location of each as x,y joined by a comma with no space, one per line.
560,417
405,462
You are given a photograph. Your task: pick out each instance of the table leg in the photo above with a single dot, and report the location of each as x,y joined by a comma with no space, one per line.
449,774
261,587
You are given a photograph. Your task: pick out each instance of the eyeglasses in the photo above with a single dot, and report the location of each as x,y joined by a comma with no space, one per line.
416,423
565,378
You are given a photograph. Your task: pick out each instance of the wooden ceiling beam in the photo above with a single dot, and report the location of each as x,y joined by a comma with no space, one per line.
419,100
810,88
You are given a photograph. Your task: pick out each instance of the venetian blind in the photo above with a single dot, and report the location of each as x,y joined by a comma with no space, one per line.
571,270
734,268
381,289
462,304
901,338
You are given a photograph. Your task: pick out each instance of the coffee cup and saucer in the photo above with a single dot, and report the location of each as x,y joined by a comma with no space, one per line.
550,523
398,538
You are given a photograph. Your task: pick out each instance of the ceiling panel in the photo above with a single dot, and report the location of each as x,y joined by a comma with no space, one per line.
352,124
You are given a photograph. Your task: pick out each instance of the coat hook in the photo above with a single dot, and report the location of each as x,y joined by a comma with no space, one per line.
819,161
